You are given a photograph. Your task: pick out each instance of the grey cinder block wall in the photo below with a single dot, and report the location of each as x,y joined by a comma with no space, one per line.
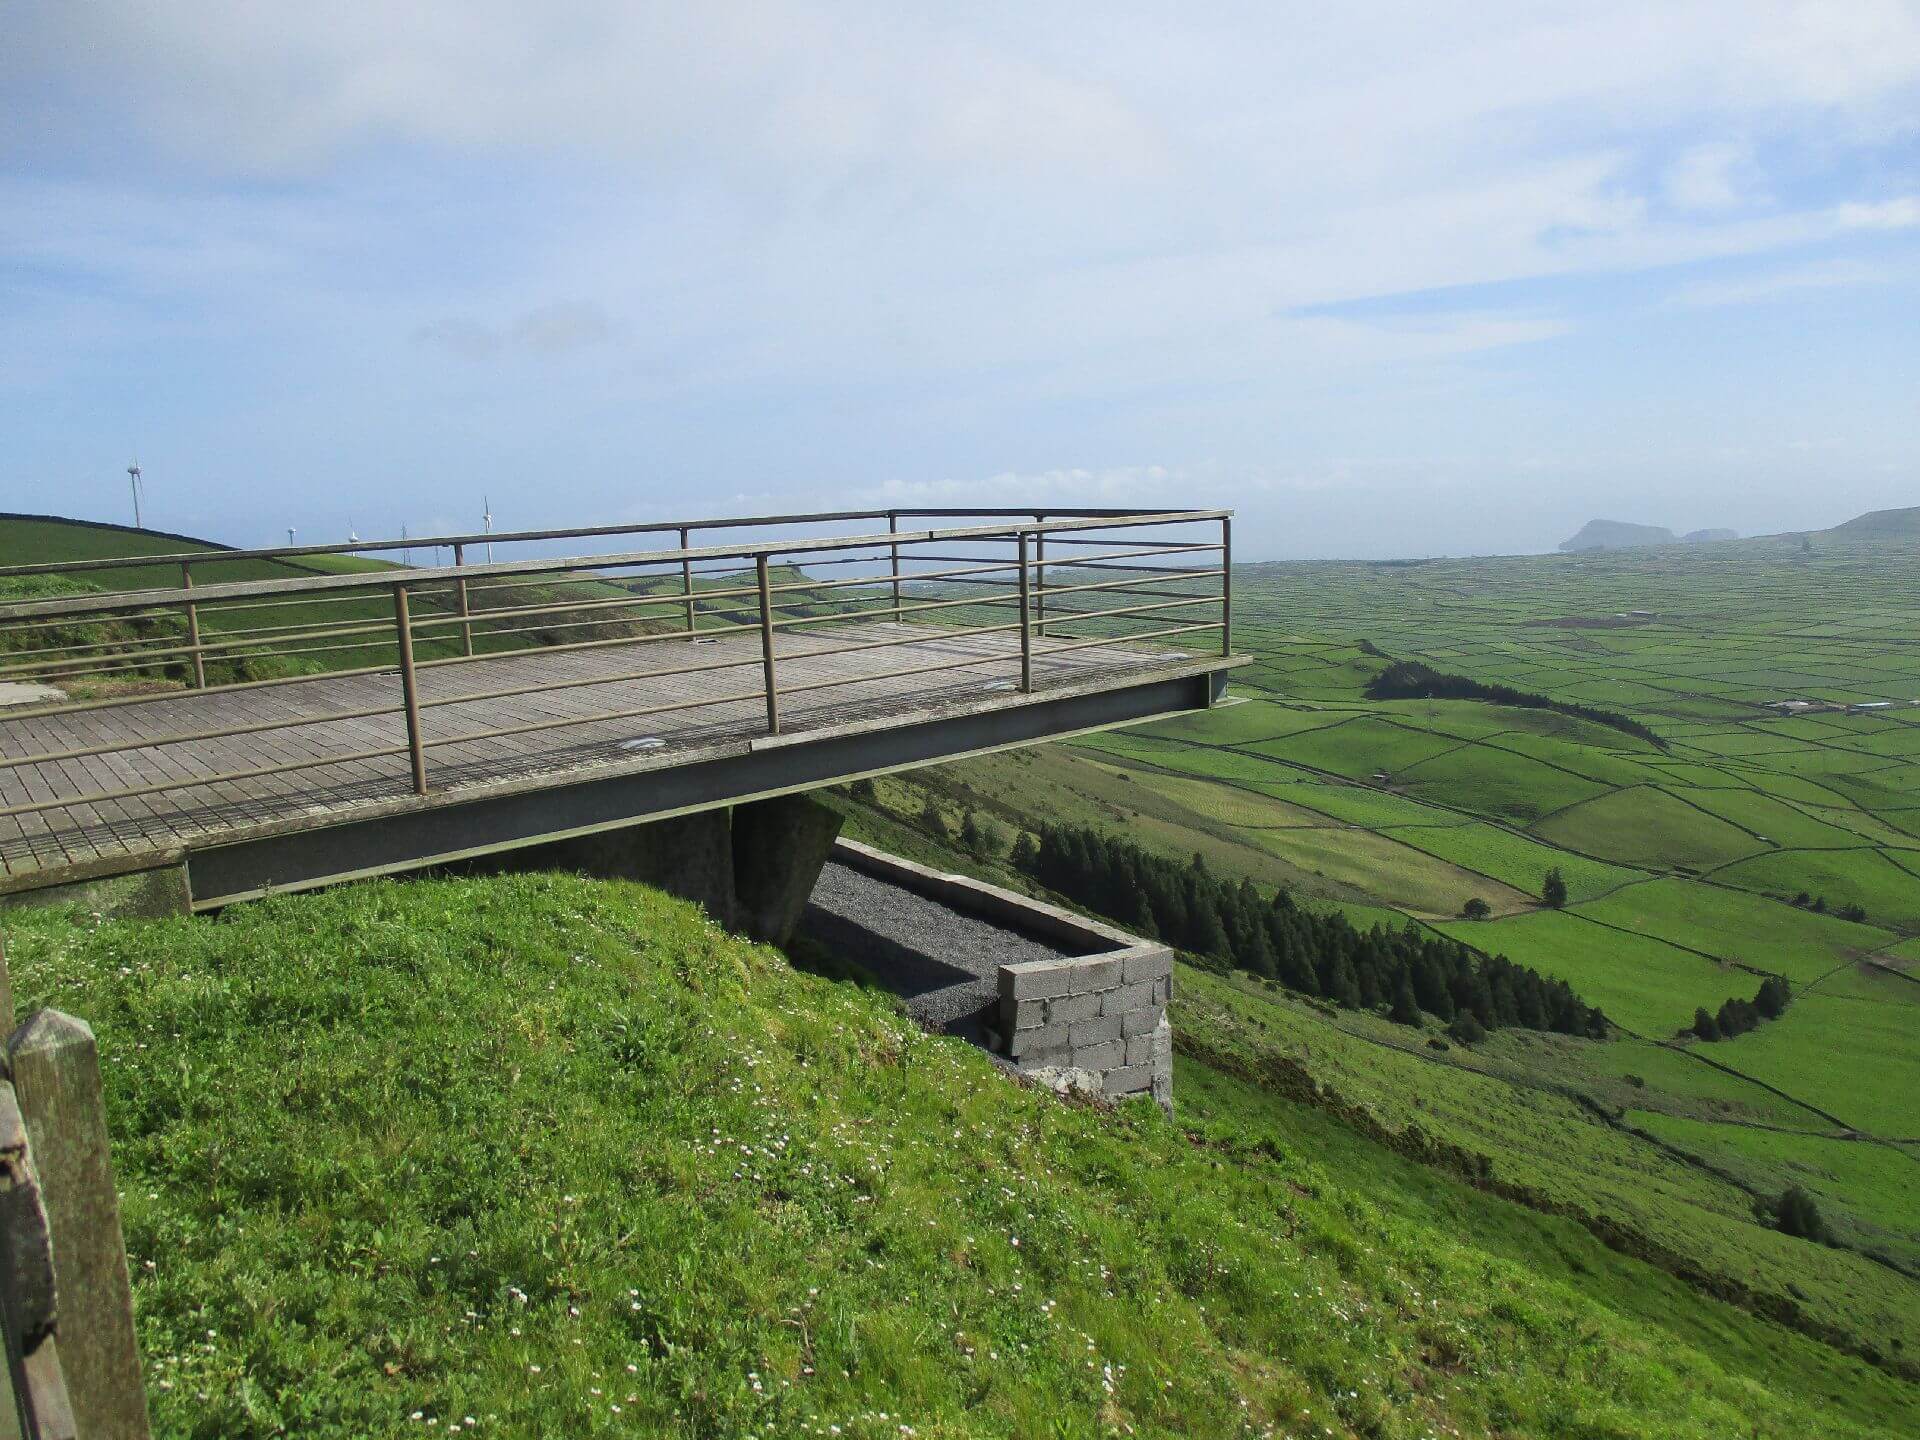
1095,1022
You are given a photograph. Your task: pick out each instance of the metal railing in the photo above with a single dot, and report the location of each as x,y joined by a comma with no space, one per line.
1130,582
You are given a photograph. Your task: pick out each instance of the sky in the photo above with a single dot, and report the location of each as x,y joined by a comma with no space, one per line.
1388,278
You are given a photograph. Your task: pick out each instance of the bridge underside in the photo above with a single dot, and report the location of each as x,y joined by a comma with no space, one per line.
237,839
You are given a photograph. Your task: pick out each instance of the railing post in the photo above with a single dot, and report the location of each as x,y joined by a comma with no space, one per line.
193,628
56,1075
766,644
893,528
1040,576
686,580
1026,631
1226,585
460,593
403,633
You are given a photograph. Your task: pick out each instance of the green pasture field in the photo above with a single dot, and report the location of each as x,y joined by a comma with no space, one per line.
1735,926
1357,747
1514,858
1411,880
1872,879
1649,828
1859,1179
1544,1140
1495,782
1647,985
1822,1049
1771,819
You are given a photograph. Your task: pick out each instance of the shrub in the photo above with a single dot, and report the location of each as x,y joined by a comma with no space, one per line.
1476,909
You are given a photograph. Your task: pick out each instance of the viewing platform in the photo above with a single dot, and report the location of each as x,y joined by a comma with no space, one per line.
249,735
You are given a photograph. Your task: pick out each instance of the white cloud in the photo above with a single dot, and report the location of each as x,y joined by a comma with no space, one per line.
1786,280
1900,214
1710,177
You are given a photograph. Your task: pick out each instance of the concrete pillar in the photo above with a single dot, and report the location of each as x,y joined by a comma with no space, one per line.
779,848
689,855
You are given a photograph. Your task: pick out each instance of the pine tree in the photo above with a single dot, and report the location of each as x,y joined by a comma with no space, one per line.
1554,890
1405,1011
972,839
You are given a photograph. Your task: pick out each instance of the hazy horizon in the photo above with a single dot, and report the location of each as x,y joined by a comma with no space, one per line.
1398,280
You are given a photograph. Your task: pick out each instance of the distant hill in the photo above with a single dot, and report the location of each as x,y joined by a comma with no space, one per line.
1617,535
1623,535
1877,523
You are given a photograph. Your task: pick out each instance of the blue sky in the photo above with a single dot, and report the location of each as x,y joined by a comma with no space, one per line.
1388,278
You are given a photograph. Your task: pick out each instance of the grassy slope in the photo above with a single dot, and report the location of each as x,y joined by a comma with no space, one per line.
562,1157
1825,801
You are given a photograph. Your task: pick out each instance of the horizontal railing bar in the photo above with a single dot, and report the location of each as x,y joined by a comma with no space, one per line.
510,537
194,737
546,687
660,637
601,718
108,604
964,664
887,607
1130,639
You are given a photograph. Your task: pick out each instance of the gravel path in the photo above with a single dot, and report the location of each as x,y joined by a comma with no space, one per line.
943,963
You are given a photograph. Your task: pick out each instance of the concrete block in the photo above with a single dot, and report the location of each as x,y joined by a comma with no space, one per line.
1036,979
1154,964
1092,975
779,848
1094,1031
1053,1057
1122,998
1127,1080
1104,1056
1163,1040
1163,991
1141,1022
1026,1014
1140,1050
1046,1037
1071,1009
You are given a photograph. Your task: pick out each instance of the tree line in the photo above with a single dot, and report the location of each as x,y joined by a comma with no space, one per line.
1324,954
1737,1017
1411,680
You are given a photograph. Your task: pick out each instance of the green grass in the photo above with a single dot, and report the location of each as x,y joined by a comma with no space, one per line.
1647,828
1495,782
533,1148
1516,859
1889,893
1738,927
1645,984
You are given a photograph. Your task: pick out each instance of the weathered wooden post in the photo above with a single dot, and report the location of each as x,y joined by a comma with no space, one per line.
34,1404
56,1074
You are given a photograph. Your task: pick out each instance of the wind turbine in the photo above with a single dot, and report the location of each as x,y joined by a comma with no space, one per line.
289,537
133,484
486,519
353,536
